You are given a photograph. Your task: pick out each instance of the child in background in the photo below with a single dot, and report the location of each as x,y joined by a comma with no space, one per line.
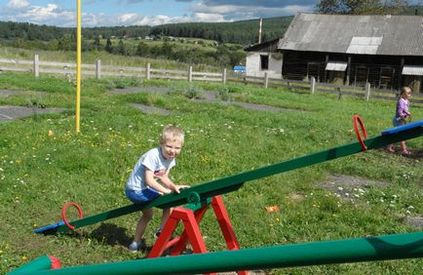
150,179
402,113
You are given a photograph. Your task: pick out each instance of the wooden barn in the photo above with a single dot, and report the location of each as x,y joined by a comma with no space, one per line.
384,50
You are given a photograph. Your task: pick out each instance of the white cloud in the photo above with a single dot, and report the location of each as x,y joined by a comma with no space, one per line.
208,17
51,14
17,4
243,12
200,11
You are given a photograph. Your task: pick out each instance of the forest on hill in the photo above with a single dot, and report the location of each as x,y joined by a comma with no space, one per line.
216,44
235,32
241,32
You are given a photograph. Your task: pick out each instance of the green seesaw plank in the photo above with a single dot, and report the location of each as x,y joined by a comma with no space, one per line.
232,183
387,247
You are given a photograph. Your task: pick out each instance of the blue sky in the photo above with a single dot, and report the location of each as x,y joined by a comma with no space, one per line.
146,12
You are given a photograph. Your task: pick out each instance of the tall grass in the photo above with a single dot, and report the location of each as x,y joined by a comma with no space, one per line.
44,164
106,59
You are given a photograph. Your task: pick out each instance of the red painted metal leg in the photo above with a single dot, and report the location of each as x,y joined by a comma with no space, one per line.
192,232
226,226
224,223
160,244
181,245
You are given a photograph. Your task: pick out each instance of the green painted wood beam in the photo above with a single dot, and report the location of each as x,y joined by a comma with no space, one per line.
40,263
388,247
234,182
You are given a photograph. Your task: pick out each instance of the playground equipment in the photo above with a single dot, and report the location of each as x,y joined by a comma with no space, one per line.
401,246
199,196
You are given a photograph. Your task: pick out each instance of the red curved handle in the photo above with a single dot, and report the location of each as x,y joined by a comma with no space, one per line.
65,209
357,121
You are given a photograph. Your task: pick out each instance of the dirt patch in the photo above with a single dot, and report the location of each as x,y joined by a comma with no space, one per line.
14,112
136,90
146,109
414,221
259,107
249,106
204,97
6,93
350,188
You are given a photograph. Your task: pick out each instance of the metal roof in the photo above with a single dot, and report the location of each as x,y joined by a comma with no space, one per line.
355,34
412,70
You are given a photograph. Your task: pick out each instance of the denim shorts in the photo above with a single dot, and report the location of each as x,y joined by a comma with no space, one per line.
143,196
397,121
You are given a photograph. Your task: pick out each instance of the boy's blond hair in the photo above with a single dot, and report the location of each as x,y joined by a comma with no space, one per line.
171,133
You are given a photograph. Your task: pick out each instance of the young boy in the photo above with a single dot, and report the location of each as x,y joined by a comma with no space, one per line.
150,179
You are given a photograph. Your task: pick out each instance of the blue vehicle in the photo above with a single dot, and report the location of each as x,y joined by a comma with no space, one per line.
239,69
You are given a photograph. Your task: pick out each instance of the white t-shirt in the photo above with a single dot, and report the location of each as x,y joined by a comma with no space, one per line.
154,161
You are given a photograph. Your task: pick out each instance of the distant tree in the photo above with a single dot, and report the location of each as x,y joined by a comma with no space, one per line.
121,48
166,49
142,49
97,43
109,47
361,6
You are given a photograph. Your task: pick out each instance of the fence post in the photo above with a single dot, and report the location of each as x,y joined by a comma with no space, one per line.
224,76
190,74
266,80
312,84
367,91
147,71
98,68
36,65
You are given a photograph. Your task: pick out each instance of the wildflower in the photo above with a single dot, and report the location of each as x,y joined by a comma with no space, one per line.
272,208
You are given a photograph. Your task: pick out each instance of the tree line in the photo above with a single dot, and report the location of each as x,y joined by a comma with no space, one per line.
236,32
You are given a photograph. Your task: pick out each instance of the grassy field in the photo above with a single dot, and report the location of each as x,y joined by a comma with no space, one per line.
44,164
106,59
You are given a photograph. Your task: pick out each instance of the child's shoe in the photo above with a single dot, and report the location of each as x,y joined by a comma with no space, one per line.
406,152
136,246
390,149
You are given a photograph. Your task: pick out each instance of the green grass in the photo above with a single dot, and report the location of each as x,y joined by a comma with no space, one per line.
106,59
40,172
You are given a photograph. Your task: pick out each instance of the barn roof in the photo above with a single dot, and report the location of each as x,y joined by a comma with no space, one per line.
268,46
355,34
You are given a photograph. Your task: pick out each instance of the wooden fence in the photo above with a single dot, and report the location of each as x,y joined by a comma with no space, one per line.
98,70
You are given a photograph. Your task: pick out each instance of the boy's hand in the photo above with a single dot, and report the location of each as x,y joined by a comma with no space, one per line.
178,188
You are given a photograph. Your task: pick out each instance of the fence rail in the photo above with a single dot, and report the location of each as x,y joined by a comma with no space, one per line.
98,70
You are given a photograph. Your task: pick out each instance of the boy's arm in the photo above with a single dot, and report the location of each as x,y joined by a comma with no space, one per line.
152,182
170,184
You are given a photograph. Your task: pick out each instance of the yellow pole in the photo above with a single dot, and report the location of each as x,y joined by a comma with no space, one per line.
78,66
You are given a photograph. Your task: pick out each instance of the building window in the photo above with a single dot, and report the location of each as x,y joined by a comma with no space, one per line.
264,62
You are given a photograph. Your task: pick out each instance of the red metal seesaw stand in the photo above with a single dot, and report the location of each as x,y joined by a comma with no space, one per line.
191,220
